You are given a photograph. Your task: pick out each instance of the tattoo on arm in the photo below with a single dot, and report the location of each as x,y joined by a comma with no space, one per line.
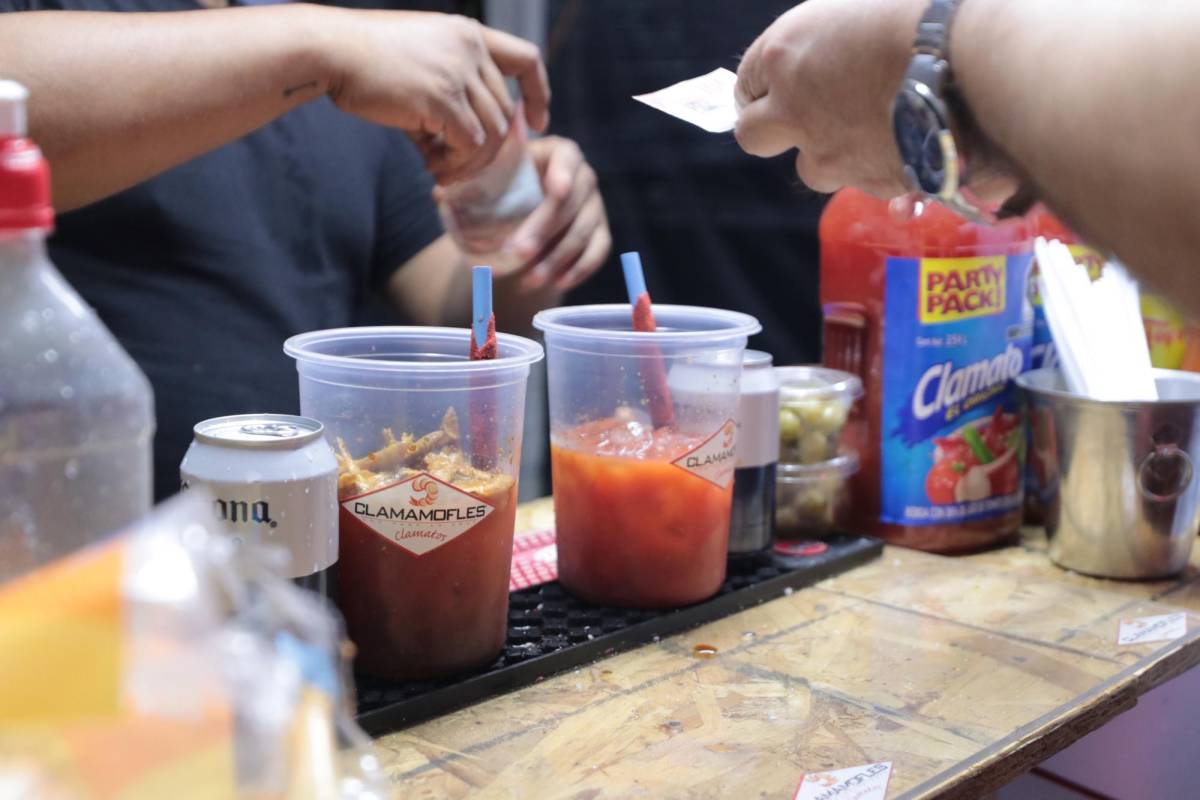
291,90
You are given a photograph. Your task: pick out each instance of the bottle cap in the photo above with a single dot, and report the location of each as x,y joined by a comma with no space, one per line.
24,174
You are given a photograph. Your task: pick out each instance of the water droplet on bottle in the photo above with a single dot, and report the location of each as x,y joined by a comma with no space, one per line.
71,469
66,392
50,355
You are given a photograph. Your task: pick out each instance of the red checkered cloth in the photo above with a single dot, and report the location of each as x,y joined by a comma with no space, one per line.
535,560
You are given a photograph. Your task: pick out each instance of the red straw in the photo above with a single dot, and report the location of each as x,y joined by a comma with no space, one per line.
483,401
653,370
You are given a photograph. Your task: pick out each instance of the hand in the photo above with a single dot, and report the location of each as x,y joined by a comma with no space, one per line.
438,77
822,79
566,238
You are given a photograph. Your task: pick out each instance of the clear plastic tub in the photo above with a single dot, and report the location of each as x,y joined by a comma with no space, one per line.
810,499
814,403
429,448
643,512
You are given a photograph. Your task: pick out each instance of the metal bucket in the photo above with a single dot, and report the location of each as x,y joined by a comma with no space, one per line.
1121,495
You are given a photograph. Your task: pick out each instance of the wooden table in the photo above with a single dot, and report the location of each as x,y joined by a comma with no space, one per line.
962,672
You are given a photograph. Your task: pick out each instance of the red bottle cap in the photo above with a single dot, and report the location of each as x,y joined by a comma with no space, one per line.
24,174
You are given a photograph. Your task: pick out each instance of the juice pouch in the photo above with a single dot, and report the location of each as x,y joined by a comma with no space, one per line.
933,314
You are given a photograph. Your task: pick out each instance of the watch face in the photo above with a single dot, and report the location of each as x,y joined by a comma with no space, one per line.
919,127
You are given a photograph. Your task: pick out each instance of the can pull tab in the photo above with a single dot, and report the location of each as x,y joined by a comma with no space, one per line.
844,335
1165,473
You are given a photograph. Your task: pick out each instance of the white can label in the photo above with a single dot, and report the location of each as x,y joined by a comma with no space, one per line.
715,458
420,514
300,517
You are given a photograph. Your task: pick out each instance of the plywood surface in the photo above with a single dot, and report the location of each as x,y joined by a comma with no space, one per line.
962,672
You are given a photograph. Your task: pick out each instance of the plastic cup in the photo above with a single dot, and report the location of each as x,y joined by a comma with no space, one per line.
814,405
426,506
643,513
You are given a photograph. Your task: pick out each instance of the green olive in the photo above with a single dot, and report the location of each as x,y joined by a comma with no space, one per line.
814,447
833,418
789,425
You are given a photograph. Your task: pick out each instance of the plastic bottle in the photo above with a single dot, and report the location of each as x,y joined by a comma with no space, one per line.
76,414
482,212
933,315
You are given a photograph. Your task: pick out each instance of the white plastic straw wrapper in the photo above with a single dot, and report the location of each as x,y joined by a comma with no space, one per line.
705,101
1097,327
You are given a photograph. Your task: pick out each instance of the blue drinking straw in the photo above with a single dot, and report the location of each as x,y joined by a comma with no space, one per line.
635,279
481,303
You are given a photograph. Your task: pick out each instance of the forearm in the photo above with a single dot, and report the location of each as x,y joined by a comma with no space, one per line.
118,98
1096,102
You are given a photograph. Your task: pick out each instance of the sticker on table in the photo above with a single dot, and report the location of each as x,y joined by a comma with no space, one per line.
1159,628
868,782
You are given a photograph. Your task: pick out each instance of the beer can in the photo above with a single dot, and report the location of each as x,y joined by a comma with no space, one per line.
273,478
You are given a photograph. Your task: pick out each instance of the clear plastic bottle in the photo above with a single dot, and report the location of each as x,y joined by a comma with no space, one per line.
482,212
76,413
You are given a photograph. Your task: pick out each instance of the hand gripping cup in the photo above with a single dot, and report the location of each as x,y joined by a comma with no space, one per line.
425,517
643,512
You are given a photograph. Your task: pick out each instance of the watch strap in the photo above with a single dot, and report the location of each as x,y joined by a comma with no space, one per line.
933,31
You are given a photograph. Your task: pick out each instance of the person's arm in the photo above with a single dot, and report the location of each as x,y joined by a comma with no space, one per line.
1091,100
1097,102
117,98
563,242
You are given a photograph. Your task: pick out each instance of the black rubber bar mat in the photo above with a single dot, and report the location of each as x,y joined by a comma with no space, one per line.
549,631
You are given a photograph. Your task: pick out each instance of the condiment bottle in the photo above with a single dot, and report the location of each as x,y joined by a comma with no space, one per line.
932,313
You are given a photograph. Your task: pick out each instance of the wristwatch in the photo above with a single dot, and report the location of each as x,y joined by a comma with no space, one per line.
933,160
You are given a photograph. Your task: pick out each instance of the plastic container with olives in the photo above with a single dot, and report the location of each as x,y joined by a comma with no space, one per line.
814,403
810,498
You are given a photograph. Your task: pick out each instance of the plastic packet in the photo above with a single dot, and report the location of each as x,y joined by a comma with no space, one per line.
483,211
169,663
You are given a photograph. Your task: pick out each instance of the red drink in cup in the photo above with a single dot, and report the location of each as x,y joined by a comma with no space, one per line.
425,529
643,512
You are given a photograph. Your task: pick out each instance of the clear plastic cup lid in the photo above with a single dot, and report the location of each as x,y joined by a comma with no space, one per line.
844,464
612,322
411,349
817,383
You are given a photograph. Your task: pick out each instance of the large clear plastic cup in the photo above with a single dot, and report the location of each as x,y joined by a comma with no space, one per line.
428,446
643,449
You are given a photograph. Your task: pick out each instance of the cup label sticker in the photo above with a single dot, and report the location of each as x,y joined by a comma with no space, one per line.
868,782
1158,628
715,458
705,101
420,513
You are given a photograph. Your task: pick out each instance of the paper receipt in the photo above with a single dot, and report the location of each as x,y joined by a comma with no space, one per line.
705,101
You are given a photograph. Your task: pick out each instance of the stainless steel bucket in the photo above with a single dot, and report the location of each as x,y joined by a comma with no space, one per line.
1116,480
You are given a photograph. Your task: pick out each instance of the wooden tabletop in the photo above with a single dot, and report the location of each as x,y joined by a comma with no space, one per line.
962,672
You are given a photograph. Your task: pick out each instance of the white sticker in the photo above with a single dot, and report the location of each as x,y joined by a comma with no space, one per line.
868,782
420,513
1159,628
706,101
715,458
